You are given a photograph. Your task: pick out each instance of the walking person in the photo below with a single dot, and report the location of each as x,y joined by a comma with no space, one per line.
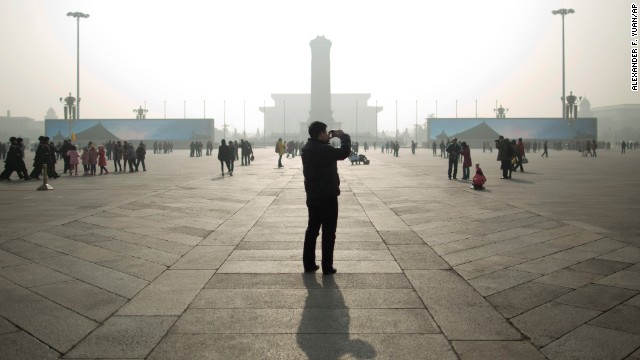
74,159
42,157
466,163
93,159
233,155
141,152
66,146
519,152
545,147
453,151
224,157
102,160
131,158
322,186
505,153
280,150
117,156
84,158
125,154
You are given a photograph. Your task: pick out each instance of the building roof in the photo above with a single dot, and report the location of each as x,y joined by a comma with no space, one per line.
96,132
480,131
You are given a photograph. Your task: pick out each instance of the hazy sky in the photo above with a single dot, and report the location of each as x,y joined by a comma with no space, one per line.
150,50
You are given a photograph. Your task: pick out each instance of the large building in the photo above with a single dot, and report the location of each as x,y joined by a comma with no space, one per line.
615,122
288,118
291,114
20,126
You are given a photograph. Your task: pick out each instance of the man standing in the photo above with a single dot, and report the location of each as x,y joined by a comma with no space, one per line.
546,148
280,149
322,185
505,154
519,151
453,150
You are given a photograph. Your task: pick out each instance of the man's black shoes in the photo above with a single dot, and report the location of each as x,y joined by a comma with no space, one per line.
329,271
311,269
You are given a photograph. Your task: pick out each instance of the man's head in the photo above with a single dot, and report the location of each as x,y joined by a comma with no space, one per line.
455,140
318,130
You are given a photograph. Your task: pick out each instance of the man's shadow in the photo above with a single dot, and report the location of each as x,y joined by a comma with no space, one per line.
323,333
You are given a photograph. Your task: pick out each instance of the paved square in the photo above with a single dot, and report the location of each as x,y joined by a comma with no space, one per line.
178,262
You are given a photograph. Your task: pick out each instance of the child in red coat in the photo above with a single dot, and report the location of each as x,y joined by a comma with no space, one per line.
102,160
479,179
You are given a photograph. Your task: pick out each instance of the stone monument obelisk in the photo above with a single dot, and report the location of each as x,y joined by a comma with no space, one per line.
321,82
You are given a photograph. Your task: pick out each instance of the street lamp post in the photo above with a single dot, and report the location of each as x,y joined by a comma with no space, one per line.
396,120
563,12
78,15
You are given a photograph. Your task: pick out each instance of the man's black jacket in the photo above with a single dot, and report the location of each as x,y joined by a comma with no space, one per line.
320,168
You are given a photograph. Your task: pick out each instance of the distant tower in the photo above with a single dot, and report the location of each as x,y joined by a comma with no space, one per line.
321,81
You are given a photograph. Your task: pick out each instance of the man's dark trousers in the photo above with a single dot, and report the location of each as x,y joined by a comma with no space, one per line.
453,163
322,212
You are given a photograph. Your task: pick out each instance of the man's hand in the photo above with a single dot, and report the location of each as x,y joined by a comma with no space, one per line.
338,133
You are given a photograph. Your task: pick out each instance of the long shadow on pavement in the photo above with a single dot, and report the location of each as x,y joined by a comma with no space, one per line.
323,333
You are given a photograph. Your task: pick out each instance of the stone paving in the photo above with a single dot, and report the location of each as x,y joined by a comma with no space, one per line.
180,263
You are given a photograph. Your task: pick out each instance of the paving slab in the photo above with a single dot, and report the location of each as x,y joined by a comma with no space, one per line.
21,346
123,337
169,294
487,265
630,254
458,309
30,275
95,303
70,247
138,251
597,297
28,250
500,280
331,298
592,342
53,324
569,278
622,317
204,258
307,320
305,281
550,321
521,298
304,346
490,350
544,265
624,279
134,266
6,327
100,276
9,259
600,266
417,257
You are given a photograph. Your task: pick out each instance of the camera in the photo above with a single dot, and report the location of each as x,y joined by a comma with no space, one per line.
332,133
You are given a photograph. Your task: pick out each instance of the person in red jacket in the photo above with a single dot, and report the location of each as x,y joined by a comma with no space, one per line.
93,158
479,179
102,160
